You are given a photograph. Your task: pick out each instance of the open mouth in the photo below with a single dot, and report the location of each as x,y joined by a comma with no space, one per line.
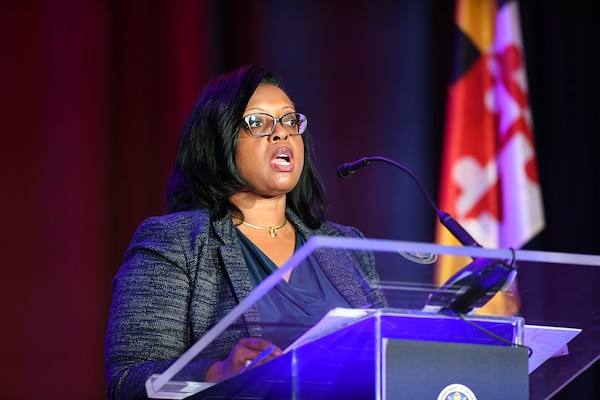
282,159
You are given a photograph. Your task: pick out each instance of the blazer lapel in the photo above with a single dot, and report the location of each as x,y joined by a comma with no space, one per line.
338,266
236,270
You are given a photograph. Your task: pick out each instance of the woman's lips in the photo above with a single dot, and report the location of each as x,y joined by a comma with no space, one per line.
282,159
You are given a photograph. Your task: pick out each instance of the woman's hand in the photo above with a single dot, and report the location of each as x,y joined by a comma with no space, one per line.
244,352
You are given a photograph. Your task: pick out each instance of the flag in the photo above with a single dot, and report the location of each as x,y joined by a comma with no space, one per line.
489,181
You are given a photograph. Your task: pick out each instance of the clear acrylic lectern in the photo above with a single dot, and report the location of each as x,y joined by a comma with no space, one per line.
413,347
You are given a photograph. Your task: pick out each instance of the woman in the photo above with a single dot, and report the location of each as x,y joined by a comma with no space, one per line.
243,196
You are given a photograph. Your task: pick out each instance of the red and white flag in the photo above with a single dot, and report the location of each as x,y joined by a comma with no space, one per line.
489,179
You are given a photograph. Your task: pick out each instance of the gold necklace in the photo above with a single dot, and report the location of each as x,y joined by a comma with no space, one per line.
272,229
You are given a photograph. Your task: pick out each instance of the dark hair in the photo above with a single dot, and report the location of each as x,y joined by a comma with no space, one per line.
205,173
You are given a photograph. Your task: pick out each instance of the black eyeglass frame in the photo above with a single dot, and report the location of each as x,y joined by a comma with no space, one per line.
301,120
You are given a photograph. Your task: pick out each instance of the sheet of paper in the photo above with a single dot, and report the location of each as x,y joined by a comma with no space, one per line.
333,320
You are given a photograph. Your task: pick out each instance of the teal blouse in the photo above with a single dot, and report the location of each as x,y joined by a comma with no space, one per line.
290,308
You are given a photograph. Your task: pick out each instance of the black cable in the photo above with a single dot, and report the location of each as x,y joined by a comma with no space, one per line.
492,334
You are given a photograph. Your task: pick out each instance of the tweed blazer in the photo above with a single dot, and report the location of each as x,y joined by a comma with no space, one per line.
182,273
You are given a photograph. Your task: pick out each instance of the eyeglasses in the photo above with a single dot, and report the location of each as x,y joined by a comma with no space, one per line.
261,124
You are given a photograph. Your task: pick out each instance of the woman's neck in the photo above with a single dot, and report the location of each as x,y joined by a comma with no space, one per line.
260,211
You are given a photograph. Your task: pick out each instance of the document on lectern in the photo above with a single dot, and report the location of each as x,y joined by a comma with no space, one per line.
545,341
335,319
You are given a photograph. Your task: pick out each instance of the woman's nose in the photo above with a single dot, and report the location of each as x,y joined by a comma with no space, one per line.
280,133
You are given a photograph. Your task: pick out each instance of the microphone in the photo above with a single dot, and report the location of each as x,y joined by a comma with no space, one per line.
345,170
472,286
460,233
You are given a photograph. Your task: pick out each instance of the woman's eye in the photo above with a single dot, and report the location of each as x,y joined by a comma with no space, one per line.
291,121
255,121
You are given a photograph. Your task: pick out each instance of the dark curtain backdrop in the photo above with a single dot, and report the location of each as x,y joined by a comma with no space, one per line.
93,93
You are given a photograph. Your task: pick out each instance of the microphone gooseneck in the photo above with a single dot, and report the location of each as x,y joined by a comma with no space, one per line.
474,284
460,233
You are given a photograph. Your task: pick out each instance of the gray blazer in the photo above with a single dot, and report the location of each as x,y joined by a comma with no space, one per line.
183,273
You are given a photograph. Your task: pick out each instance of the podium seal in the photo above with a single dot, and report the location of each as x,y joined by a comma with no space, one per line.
456,391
